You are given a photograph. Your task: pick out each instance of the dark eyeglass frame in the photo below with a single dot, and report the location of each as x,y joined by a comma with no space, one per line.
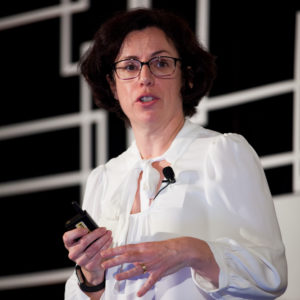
142,63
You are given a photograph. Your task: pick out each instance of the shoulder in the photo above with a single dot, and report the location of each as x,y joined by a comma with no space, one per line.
123,162
214,140
230,155
218,148
221,148
220,139
104,179
115,167
231,144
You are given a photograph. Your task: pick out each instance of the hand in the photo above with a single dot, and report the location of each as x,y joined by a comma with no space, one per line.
158,258
84,249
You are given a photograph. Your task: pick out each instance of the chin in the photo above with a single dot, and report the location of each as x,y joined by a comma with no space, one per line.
150,117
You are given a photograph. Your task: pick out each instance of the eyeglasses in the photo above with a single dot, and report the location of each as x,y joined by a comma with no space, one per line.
160,66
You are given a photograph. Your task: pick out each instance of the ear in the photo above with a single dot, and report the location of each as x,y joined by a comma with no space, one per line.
191,75
112,85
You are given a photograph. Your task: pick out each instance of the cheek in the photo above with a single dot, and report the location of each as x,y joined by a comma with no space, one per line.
177,86
116,92
122,91
123,97
113,86
176,90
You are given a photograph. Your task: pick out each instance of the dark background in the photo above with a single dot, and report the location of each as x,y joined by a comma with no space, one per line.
254,46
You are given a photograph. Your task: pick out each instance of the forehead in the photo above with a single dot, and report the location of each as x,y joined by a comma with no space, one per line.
148,42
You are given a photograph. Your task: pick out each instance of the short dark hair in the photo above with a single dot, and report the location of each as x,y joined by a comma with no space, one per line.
198,66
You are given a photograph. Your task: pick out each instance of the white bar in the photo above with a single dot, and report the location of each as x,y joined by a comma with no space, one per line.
250,95
297,47
42,183
66,67
35,279
85,96
129,136
242,97
69,69
202,22
131,4
44,125
296,110
85,147
85,129
287,197
43,14
102,141
277,160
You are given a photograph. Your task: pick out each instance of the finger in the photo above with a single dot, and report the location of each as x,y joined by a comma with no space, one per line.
98,244
132,249
88,239
118,260
94,262
135,271
72,236
106,245
91,265
152,279
92,252
76,251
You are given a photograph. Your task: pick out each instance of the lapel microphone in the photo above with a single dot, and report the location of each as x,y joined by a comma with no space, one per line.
170,178
169,174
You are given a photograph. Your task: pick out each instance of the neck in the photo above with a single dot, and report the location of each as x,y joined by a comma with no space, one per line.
154,141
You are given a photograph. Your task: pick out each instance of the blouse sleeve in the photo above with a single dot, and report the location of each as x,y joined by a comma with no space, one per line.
93,192
72,290
246,240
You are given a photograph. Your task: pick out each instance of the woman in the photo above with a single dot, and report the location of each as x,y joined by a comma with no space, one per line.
212,234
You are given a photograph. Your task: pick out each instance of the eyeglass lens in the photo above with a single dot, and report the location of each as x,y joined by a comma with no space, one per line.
159,66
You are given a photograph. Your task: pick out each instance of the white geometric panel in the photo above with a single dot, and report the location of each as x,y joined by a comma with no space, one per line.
257,94
86,117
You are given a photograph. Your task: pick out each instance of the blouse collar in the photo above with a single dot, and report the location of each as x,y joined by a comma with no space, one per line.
181,142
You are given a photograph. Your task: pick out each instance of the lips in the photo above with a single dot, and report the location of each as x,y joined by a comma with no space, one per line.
147,98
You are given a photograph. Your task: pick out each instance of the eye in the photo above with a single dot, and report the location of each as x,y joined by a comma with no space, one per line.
161,63
128,65
131,67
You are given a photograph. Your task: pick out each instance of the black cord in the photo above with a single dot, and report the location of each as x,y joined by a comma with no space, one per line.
168,182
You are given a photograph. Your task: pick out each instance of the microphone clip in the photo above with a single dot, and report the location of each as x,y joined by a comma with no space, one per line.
169,174
170,178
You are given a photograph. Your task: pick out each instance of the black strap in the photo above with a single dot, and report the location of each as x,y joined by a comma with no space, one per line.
82,282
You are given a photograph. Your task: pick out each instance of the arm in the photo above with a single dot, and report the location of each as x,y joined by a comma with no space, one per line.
246,240
84,249
163,258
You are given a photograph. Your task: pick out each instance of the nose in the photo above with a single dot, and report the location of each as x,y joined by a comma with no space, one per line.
146,77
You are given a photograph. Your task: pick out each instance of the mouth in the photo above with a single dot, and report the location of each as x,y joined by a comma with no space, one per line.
146,99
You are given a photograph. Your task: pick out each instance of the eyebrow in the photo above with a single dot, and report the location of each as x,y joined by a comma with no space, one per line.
159,52
152,55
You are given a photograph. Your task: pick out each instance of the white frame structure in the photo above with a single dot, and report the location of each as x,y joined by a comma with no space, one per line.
87,116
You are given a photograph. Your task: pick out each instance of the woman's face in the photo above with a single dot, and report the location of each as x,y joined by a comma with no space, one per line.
148,99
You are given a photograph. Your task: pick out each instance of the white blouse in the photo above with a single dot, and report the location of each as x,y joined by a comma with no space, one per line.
220,196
